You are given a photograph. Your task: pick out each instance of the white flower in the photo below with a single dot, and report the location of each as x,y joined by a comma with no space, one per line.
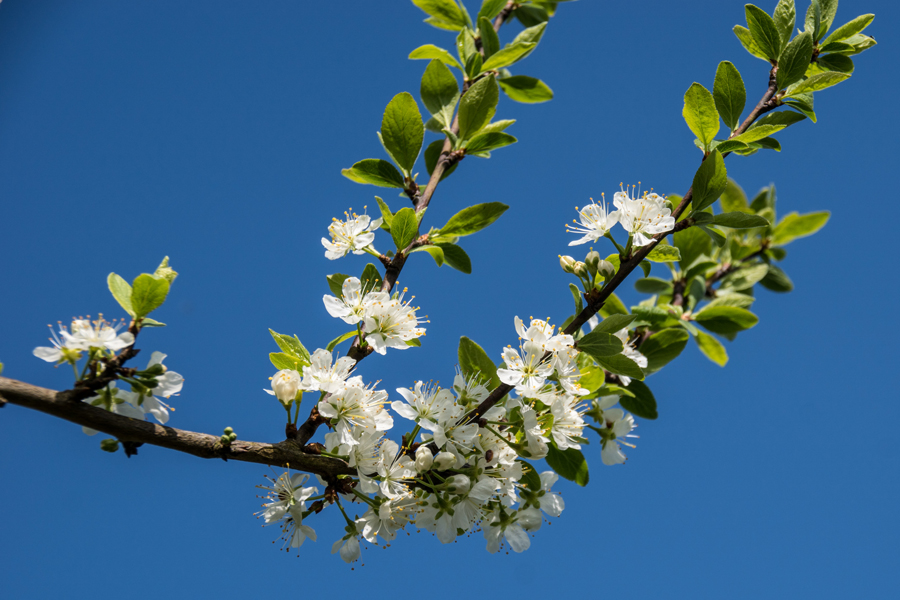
567,422
349,544
167,384
499,524
321,375
394,470
470,509
284,493
120,402
392,514
550,502
527,372
285,385
469,392
424,402
59,352
437,517
615,425
534,434
595,223
356,406
631,352
390,322
424,459
444,460
364,456
349,307
458,484
99,334
353,235
643,216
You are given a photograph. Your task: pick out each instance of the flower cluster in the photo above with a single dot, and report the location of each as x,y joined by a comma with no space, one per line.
641,215
83,336
389,321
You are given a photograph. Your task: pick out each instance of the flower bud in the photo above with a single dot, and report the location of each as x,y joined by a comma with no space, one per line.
530,518
458,484
606,269
109,445
424,459
286,384
444,460
567,263
581,269
592,260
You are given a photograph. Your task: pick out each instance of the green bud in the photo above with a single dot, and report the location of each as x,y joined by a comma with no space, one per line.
606,269
567,263
229,431
109,445
581,269
591,261
232,437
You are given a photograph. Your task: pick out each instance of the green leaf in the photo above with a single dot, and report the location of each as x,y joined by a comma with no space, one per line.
474,362
147,294
456,257
663,254
335,283
473,65
653,285
465,48
404,228
446,13
733,198
500,125
436,253
829,9
387,217
165,271
371,278
576,295
709,182
729,94
440,91
726,320
712,348
777,280
530,15
291,346
739,220
530,35
402,130
599,344
664,346
490,9
472,219
507,56
746,39
490,43
525,89
620,365
339,339
569,464
803,103
692,243
783,117
728,298
641,403
764,32
794,226
836,63
282,360
485,142
430,51
848,30
745,277
613,306
755,133
477,107
432,154
794,60
615,323
376,172
700,113
785,18
817,82
121,291
714,234
148,322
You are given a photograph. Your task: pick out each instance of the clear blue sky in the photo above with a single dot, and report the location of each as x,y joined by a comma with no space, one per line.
214,132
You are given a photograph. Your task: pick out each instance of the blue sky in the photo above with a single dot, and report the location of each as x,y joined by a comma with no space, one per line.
214,132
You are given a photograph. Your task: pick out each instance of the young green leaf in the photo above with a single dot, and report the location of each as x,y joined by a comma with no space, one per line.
664,346
745,277
430,51
339,339
739,220
663,254
490,43
530,35
599,344
404,228
402,130
436,253
491,8
746,39
620,365
776,280
121,291
712,348
726,320
794,60
525,89
641,403
794,226
477,107
615,322
456,257
432,154
147,294
569,464
474,362
374,171
439,91
714,234
802,103
817,82
472,219
785,18
387,217
291,346
282,360
445,14
733,198
653,285
165,271
485,142
709,182
764,32
729,94
700,113
848,30
508,55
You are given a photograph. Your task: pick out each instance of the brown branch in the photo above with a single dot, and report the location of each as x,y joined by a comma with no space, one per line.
131,431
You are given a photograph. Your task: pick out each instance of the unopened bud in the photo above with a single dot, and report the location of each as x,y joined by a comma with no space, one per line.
229,431
424,459
232,437
286,384
458,484
592,260
530,518
581,269
444,460
567,263
606,269
109,445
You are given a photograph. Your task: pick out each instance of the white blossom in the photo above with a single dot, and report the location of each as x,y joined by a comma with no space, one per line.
615,426
321,375
115,400
390,322
285,385
500,524
643,216
394,470
349,544
528,372
353,235
424,403
356,406
629,351
98,334
596,221
424,459
444,460
392,514
287,503
59,352
567,422
350,306
167,384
